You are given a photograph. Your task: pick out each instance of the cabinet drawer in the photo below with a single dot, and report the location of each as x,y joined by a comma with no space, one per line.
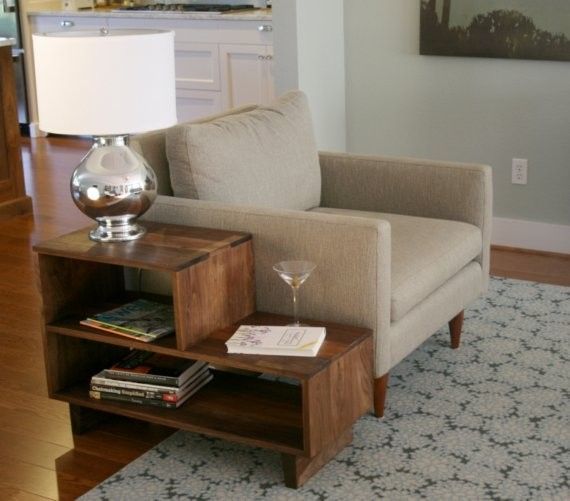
197,66
184,30
194,104
246,32
205,31
66,23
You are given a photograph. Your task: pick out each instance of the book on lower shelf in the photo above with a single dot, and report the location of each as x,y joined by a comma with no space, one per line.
154,368
141,319
143,397
296,341
184,378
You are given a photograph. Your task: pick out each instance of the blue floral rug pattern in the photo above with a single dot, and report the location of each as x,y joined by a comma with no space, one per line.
488,421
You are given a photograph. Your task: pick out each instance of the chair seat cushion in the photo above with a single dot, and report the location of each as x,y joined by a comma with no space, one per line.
425,254
264,157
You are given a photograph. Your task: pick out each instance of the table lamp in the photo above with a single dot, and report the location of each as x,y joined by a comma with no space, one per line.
108,84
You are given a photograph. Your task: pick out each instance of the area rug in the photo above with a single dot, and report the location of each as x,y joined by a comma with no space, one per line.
487,421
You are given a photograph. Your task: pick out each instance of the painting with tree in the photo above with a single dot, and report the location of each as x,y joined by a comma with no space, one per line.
516,29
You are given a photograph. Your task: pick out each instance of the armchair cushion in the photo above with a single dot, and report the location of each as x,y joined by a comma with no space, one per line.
426,253
264,157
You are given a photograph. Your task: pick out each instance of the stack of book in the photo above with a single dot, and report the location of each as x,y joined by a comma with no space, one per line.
142,319
151,379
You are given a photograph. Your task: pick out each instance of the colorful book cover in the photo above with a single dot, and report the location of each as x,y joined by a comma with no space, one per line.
114,396
169,393
141,317
154,368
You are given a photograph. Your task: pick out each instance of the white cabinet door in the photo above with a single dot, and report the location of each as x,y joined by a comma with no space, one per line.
197,66
194,104
269,75
246,77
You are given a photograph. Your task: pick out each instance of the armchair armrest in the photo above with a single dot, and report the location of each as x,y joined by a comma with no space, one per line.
424,188
351,284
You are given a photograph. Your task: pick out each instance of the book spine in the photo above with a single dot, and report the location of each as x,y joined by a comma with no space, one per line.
135,393
142,378
118,332
153,333
104,395
133,385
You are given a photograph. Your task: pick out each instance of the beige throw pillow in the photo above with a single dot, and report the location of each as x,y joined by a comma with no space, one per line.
265,157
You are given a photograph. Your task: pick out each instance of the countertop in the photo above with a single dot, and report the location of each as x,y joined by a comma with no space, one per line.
6,42
250,15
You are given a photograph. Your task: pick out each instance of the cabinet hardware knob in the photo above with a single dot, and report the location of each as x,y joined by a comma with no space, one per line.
269,58
265,27
67,24
260,57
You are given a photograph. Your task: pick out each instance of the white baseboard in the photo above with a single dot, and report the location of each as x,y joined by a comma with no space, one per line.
531,235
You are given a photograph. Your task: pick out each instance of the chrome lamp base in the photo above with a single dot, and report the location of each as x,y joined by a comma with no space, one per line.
114,185
117,229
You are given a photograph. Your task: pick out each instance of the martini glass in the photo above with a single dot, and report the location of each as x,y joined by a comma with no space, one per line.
294,273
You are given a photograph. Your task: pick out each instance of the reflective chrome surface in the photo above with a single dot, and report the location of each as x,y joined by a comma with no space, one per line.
113,185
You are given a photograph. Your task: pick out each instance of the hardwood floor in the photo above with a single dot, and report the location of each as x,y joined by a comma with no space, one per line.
39,457
543,267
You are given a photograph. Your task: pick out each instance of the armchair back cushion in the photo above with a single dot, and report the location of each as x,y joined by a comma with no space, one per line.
265,157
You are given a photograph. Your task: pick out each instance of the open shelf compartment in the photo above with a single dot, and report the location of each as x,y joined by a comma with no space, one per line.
234,407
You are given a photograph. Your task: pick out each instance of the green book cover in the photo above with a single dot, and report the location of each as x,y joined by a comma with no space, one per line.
142,317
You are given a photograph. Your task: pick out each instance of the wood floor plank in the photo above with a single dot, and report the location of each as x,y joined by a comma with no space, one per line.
17,378
38,429
16,447
11,494
78,472
26,477
34,405
531,265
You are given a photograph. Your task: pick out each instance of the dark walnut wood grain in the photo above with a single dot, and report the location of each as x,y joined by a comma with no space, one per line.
212,284
308,422
211,273
455,326
212,290
13,198
380,392
298,469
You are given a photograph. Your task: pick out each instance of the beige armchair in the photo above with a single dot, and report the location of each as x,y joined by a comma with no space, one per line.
402,245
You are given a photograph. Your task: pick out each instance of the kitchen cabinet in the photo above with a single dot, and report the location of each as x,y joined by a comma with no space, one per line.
193,104
66,23
247,74
197,66
219,64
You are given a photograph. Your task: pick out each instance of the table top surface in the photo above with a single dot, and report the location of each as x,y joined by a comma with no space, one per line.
165,247
339,340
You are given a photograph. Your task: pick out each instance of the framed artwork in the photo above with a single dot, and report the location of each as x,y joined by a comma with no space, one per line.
515,29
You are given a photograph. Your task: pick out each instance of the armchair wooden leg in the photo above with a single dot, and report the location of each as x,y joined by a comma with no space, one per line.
380,390
455,325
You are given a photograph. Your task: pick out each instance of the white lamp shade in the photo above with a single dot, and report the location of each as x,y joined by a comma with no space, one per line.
90,83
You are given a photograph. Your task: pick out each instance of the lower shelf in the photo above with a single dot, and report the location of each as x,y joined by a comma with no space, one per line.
239,408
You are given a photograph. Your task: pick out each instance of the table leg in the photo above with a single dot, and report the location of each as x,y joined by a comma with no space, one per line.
84,419
298,469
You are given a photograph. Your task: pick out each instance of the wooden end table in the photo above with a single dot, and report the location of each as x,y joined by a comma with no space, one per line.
308,422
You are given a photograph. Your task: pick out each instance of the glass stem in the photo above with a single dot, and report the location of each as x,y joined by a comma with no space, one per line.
296,305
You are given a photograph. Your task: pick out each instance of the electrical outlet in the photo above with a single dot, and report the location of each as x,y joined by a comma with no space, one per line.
520,170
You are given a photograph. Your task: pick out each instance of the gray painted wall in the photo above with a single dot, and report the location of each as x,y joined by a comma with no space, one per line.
464,109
